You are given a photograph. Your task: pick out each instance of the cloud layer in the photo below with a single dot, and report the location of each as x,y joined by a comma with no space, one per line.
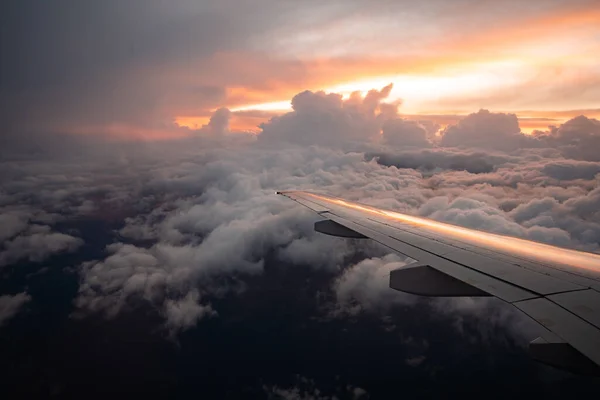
197,216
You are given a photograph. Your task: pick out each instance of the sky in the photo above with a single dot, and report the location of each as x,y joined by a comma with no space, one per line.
143,247
135,68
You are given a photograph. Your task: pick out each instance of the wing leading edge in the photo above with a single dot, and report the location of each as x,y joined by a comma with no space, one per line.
558,288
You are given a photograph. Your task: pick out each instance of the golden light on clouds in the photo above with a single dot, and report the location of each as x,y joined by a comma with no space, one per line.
536,62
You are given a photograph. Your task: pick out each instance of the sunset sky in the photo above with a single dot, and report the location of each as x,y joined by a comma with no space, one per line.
144,248
133,68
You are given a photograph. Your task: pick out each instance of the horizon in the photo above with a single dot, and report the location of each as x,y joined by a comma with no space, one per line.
110,68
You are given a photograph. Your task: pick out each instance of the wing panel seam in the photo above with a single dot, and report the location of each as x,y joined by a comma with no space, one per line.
535,294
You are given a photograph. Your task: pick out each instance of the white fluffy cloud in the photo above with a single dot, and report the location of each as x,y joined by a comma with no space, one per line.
366,285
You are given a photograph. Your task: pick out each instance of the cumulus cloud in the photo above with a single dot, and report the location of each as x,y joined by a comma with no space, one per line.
479,215
403,132
185,313
219,122
225,228
366,285
36,246
328,119
577,138
571,169
10,305
487,130
440,159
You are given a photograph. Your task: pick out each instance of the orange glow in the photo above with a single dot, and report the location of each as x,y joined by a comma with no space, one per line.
192,122
242,121
119,131
458,65
239,122
528,125
458,73
535,251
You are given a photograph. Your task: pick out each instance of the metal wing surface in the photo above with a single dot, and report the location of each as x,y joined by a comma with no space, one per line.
559,288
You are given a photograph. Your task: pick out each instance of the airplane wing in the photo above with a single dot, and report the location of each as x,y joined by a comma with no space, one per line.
559,288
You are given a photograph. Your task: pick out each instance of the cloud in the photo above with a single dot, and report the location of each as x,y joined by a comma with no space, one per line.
478,215
577,138
195,218
365,286
37,245
326,119
492,319
219,122
10,225
487,130
439,159
154,60
225,226
185,313
157,63
195,211
415,361
569,170
10,305
403,132
307,389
